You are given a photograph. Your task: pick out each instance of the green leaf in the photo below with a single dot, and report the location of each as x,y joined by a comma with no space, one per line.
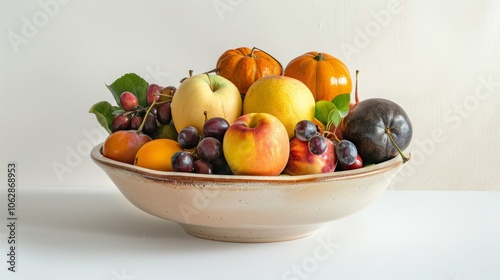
334,117
130,82
104,113
322,110
342,102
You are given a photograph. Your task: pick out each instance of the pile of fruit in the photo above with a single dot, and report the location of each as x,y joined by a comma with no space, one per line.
249,116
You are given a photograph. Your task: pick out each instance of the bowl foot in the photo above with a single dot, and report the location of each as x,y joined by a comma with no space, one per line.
250,235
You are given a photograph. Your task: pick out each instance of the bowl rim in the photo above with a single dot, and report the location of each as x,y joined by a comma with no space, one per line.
98,157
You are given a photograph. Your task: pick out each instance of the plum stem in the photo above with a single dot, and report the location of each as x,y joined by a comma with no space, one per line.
388,132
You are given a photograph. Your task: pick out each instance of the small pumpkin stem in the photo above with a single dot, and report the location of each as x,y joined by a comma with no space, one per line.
356,96
388,132
319,57
255,48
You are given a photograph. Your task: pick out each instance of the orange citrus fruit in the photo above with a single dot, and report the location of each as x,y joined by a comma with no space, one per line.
156,154
286,98
122,145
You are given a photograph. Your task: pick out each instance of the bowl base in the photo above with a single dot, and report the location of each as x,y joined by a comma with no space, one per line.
250,235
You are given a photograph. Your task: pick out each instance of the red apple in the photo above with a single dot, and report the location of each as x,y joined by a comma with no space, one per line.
256,144
358,163
302,162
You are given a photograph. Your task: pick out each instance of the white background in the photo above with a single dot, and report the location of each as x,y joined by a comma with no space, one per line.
431,58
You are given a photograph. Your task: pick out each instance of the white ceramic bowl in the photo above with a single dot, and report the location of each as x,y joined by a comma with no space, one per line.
249,208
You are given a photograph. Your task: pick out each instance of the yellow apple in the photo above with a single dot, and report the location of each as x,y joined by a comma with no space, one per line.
211,94
256,144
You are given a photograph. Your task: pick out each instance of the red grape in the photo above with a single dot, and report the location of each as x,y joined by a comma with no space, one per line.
128,101
120,122
188,137
164,113
209,149
215,127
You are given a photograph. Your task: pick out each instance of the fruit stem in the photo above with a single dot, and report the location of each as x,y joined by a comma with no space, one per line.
319,57
405,159
255,48
327,134
190,75
146,115
356,96
210,82
212,71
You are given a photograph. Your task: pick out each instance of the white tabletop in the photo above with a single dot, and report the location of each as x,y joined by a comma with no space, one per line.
95,233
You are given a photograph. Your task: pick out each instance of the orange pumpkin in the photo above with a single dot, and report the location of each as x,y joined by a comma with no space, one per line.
243,66
325,75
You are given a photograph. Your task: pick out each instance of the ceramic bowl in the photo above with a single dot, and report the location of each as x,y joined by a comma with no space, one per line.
249,208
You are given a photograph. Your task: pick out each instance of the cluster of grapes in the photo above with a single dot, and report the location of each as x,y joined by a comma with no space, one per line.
202,153
134,116
345,151
306,130
347,155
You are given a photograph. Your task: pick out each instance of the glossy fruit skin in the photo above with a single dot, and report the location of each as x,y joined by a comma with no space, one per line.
215,127
157,154
366,125
182,161
188,137
153,93
128,101
286,98
243,66
120,122
164,113
123,145
346,152
325,75
256,144
358,163
302,162
198,95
